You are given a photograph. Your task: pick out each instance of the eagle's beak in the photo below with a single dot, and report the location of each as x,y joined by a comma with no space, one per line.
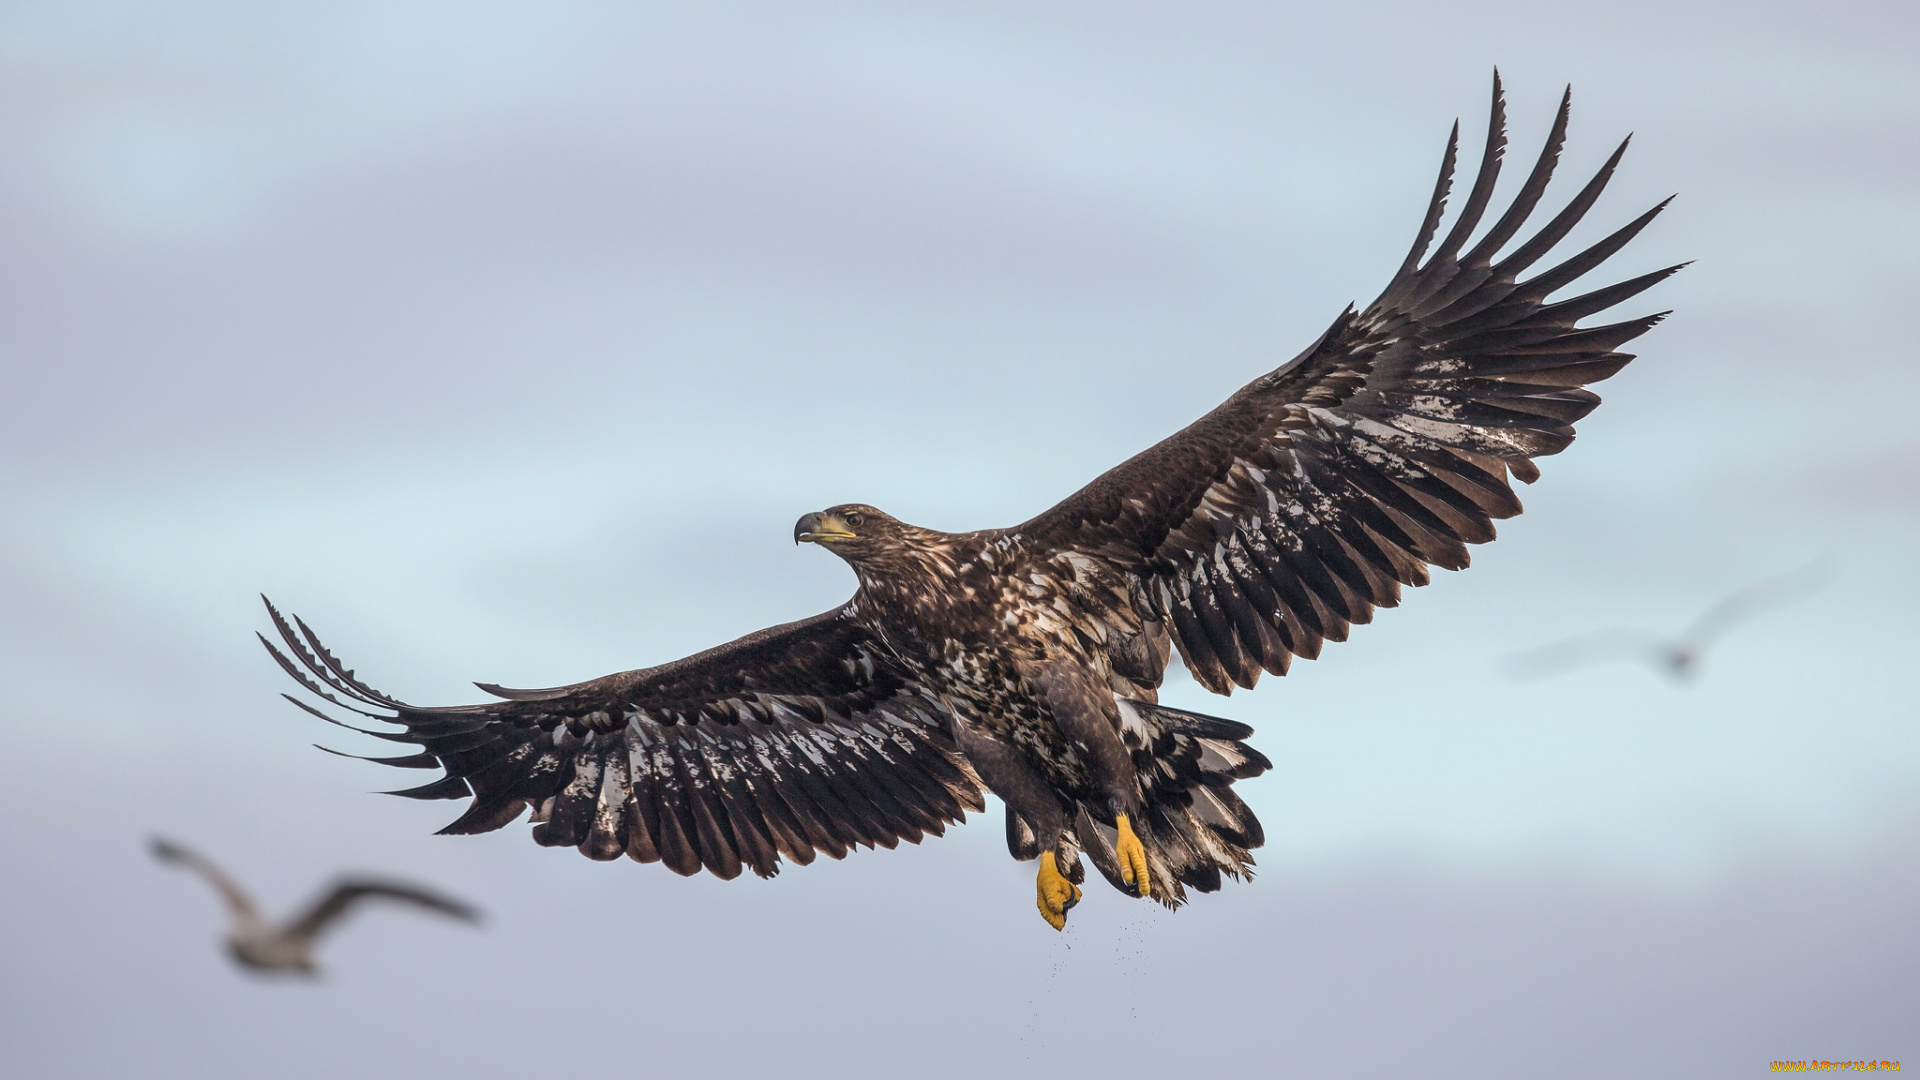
820,529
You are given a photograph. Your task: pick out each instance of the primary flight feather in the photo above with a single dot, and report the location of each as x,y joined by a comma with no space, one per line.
1026,660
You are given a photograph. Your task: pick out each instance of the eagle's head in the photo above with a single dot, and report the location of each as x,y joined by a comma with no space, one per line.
854,531
882,549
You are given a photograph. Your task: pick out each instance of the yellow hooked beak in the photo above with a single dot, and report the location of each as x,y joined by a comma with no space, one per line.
821,529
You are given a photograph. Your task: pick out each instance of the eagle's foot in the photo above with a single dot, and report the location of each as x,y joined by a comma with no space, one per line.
1057,895
1133,858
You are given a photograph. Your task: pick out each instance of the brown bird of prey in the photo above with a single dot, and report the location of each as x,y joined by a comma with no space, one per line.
255,943
1026,660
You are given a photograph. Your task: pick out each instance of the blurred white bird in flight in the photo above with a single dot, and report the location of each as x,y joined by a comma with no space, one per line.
1677,657
255,943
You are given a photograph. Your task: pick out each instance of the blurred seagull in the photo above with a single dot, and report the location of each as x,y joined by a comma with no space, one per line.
1679,657
257,944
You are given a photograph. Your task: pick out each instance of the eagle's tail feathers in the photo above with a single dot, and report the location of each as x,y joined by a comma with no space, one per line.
1194,828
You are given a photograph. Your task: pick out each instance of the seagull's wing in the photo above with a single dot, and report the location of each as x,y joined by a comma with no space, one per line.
1743,605
345,894
238,902
1601,646
1315,492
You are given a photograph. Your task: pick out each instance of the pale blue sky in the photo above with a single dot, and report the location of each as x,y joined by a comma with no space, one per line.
506,341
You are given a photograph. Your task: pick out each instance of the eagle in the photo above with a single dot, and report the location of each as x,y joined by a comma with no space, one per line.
1026,661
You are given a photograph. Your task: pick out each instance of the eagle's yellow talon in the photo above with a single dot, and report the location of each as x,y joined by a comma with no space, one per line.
1133,858
1056,893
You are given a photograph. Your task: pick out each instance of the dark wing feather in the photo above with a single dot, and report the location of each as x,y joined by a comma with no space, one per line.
1312,495
800,739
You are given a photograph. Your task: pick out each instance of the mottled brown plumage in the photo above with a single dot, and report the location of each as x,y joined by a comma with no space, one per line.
1027,660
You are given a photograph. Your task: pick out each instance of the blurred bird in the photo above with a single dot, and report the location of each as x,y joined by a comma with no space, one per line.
257,944
1678,657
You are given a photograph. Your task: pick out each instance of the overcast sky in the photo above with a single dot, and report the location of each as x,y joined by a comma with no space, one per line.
506,342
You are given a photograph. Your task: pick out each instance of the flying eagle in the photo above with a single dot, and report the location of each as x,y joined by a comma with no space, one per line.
1026,660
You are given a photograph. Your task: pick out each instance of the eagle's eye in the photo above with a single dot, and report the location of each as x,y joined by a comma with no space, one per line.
856,519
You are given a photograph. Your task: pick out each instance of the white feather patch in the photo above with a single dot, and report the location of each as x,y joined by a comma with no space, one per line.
1131,722
1220,756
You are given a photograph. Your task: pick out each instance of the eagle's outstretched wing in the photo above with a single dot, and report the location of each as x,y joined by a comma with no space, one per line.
1316,491
799,739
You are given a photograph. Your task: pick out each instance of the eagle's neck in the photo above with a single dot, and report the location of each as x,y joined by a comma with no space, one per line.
918,580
